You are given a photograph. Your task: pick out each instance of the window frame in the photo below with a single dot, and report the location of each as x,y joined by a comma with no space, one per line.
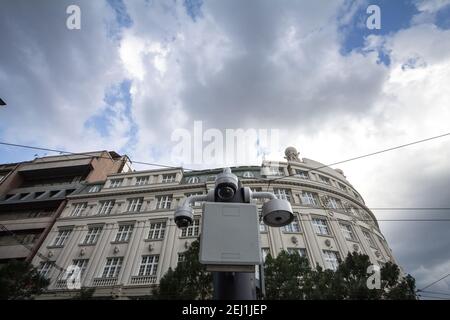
49,265
135,204
302,174
61,238
106,207
331,263
169,178
191,231
92,235
285,195
112,267
289,228
142,180
115,183
78,209
164,202
148,268
318,227
193,180
157,230
124,233
311,197
324,179
94,189
344,230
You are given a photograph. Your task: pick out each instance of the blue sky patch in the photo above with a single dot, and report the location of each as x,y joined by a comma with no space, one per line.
193,8
395,15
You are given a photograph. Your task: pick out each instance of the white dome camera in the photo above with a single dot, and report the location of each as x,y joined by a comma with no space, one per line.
277,213
183,217
226,185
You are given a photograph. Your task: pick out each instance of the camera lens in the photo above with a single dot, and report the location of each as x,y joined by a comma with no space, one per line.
225,192
182,222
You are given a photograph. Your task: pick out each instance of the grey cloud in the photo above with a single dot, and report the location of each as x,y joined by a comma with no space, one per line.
54,78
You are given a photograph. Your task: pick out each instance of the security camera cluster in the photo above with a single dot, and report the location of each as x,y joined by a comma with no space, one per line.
228,188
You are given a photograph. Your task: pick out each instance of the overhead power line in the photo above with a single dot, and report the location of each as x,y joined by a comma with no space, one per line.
434,292
84,154
40,255
363,156
440,279
432,297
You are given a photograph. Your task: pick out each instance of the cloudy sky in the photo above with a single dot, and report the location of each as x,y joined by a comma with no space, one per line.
138,71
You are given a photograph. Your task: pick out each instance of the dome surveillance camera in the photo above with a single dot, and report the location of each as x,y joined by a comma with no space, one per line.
277,213
184,217
226,185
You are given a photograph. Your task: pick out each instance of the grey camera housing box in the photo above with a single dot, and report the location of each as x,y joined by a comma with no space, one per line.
230,235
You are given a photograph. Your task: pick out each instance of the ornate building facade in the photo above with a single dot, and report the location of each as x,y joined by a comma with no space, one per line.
122,236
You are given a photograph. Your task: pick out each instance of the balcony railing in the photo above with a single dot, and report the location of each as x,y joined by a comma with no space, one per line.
143,280
104,282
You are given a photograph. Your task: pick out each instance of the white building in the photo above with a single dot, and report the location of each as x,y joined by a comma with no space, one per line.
123,237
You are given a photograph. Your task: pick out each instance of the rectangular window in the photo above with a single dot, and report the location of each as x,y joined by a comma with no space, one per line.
294,226
331,259
342,187
149,265
324,179
81,264
45,267
334,203
309,198
112,267
61,237
347,231
78,209
157,230
94,189
115,183
276,171
284,194
92,235
140,181
320,226
193,230
299,251
164,202
369,239
181,257
302,174
124,233
167,178
106,207
135,204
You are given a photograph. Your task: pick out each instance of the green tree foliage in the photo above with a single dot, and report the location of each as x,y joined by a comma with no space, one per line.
189,280
19,280
289,276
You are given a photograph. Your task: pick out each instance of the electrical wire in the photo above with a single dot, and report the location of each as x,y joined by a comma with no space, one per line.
440,279
434,292
362,156
88,155
432,297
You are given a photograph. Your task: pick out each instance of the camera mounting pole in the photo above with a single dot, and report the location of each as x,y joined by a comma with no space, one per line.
227,209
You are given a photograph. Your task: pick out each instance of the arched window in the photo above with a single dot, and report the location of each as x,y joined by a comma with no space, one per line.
248,174
193,180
